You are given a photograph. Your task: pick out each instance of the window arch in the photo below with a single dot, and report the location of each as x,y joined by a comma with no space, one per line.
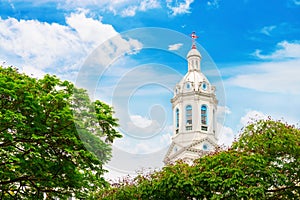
188,114
188,85
189,117
177,117
204,114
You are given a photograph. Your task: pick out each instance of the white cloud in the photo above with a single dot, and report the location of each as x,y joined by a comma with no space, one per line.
179,7
165,139
40,47
267,30
136,156
251,116
125,8
213,3
129,12
33,44
140,121
278,77
223,110
144,5
284,50
279,74
140,127
174,47
71,4
151,145
89,29
149,4
226,135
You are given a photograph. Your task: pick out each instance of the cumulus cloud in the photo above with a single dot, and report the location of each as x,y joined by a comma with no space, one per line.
223,110
140,121
174,47
31,43
151,145
284,50
88,29
141,127
251,116
226,135
179,7
40,47
132,155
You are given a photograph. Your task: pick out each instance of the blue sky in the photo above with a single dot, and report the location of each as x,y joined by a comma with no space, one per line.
250,49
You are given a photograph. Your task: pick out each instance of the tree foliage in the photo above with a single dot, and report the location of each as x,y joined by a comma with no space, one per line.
51,138
262,164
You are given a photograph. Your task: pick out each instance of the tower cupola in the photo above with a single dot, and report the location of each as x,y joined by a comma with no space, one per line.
194,107
194,56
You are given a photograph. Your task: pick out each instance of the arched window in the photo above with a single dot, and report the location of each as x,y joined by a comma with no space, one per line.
204,114
177,118
188,110
188,116
188,86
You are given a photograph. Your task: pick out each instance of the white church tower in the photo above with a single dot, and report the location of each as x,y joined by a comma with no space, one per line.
194,107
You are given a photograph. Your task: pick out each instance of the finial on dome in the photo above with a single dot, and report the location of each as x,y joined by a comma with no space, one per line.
194,37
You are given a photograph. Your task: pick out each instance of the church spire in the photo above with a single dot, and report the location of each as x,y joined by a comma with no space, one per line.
194,56
194,37
194,107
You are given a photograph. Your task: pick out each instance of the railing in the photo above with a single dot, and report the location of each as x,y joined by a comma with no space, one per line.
204,128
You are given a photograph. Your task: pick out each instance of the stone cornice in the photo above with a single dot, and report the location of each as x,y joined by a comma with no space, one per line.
195,94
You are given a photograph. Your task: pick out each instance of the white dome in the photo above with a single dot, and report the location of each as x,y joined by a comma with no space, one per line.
196,81
193,52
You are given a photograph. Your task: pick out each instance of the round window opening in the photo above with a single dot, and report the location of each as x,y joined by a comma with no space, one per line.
188,86
204,86
205,147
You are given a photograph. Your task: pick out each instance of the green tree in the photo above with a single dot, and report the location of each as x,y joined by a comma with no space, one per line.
262,164
278,145
53,139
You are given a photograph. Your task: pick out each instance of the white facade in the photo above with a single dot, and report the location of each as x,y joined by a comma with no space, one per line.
194,107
